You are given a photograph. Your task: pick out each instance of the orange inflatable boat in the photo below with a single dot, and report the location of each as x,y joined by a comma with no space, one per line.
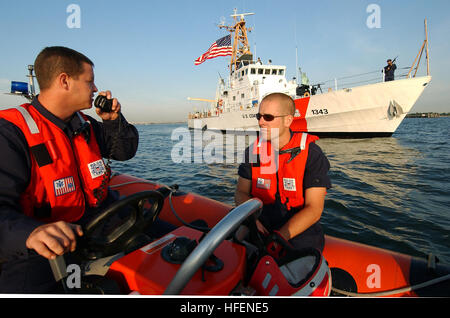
193,261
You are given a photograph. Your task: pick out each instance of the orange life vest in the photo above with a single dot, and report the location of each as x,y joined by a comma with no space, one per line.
281,172
66,175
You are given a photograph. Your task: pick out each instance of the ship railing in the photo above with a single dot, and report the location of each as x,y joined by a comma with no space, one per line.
205,114
347,82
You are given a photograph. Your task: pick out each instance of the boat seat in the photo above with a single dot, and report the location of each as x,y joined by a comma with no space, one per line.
299,269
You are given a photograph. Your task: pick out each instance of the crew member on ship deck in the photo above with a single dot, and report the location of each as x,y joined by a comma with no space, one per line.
389,71
292,183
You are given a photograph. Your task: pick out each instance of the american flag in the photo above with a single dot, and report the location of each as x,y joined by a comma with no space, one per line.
222,47
63,186
263,183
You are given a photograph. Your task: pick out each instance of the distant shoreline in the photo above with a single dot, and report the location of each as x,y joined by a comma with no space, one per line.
161,123
411,115
427,115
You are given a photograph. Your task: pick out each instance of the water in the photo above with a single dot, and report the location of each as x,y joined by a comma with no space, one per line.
392,193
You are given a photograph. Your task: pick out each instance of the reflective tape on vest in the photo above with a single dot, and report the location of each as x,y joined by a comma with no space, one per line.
29,120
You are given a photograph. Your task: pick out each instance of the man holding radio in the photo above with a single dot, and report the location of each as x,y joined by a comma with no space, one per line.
54,175
290,176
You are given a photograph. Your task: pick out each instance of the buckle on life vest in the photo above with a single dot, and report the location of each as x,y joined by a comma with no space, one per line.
293,151
85,129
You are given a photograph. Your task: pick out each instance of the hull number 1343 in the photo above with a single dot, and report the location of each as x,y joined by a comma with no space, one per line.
323,111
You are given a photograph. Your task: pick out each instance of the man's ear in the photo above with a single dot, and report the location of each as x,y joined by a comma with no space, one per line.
63,81
288,120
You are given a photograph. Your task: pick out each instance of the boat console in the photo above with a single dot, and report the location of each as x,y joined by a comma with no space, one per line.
150,269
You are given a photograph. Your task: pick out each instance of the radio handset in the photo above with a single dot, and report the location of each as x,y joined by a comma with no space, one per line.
103,103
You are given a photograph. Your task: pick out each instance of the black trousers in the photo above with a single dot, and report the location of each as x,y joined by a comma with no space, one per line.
312,237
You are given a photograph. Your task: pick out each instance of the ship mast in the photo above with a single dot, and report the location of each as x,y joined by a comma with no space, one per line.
419,55
240,43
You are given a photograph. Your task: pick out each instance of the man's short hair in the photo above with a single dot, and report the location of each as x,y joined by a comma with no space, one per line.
389,60
54,60
286,101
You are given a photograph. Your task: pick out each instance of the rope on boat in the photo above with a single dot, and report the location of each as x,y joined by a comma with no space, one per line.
199,228
394,291
130,182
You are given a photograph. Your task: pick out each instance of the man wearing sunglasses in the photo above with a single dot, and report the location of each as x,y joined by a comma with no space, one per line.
289,173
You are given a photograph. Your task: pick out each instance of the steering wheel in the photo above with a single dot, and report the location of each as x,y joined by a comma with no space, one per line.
210,242
95,243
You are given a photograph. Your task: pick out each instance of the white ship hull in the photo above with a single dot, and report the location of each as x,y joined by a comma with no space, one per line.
363,111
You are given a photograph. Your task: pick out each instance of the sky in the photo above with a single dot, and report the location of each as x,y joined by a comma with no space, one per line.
144,51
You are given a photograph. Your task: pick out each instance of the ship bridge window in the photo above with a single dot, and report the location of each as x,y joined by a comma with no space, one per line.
280,72
267,72
260,71
252,71
274,72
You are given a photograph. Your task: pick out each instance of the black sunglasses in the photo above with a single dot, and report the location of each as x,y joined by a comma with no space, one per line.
267,117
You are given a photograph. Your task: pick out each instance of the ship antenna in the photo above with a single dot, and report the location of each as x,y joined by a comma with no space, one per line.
31,77
239,34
